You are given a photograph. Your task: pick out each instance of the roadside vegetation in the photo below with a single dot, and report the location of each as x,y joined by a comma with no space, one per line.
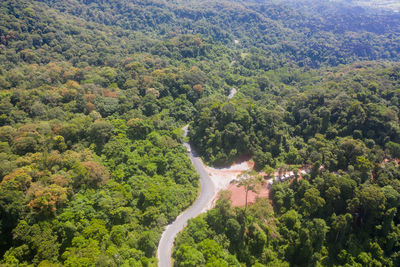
93,95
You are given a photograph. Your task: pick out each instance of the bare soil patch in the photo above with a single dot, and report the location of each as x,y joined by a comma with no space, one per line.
238,197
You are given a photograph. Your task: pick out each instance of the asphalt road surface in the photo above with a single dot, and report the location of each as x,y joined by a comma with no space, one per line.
207,192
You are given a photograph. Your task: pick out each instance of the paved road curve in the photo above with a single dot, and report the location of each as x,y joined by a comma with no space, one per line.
207,192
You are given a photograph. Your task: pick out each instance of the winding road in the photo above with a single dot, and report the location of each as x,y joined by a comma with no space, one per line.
207,193
204,202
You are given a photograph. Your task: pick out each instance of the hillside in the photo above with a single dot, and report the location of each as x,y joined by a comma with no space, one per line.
93,96
391,5
309,32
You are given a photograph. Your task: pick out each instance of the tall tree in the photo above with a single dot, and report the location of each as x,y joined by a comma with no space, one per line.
251,181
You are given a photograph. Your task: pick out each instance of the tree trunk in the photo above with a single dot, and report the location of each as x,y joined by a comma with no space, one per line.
245,205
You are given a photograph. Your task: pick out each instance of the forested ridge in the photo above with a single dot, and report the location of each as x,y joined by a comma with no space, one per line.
344,125
284,110
92,166
93,96
308,32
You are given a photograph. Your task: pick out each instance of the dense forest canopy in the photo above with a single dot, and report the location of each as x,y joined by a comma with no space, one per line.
93,96
308,32
345,125
361,101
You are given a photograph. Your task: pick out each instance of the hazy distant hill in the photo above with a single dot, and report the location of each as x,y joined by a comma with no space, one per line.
392,5
308,32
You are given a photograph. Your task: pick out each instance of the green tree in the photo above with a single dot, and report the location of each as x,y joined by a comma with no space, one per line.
250,181
188,256
100,132
394,149
312,202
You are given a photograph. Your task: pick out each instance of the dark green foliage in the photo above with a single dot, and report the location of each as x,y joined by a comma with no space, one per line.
346,132
93,95
227,243
394,149
224,131
313,120
92,167
329,220
309,32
